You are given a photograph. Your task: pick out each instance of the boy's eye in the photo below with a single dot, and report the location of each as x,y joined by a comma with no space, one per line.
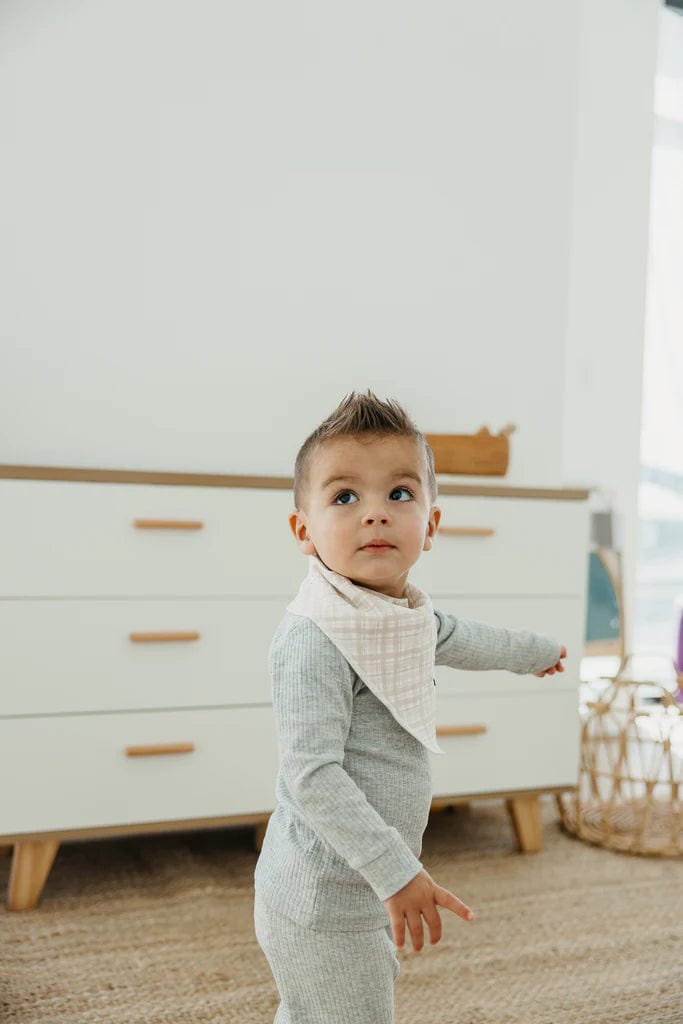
402,488
344,493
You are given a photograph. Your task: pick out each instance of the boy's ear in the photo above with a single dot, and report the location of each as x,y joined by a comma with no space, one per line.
297,524
432,526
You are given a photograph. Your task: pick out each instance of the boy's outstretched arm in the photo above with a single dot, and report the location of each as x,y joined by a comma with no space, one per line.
557,667
470,644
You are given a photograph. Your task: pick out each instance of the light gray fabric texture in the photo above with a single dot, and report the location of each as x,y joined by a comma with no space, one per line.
353,788
331,977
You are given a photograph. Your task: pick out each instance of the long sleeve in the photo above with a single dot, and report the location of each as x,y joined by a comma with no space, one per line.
469,644
312,688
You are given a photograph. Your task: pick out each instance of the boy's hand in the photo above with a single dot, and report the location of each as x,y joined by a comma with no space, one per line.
418,899
559,666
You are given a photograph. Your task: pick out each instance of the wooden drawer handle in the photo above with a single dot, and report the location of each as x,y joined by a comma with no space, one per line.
168,524
467,531
148,638
153,749
460,730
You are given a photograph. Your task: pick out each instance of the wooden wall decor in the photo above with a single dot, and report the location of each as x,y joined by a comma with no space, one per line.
480,454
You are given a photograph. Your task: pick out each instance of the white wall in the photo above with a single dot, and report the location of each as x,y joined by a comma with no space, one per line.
219,218
216,219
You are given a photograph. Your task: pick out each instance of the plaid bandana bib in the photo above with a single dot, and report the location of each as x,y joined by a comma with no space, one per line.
390,642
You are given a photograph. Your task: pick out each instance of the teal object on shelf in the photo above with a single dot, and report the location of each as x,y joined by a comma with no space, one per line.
602,607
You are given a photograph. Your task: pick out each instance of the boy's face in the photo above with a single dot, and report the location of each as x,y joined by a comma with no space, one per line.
377,498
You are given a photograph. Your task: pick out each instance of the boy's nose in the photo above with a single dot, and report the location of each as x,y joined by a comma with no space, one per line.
382,517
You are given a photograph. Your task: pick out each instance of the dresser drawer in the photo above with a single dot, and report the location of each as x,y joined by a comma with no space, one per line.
65,656
559,617
530,741
64,539
537,546
73,772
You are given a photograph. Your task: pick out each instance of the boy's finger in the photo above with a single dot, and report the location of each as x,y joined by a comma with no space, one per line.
447,899
433,920
416,932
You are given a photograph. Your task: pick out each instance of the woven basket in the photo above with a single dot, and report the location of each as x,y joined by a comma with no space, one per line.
630,792
480,454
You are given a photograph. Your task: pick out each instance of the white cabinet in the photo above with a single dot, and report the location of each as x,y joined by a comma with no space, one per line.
98,654
528,740
75,539
531,548
75,772
135,621
521,563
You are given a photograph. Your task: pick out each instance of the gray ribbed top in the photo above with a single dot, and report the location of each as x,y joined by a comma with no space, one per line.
354,787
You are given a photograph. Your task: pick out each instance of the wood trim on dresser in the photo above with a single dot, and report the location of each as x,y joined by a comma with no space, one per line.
284,483
34,852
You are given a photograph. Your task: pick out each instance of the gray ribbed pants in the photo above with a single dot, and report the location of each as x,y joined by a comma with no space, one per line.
328,977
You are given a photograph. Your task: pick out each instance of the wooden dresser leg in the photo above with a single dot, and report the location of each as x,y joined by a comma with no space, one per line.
31,865
525,815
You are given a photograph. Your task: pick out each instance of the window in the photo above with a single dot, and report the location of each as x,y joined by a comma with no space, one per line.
659,571
658,605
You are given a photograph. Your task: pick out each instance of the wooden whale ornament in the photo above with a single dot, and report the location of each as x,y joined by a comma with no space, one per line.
480,454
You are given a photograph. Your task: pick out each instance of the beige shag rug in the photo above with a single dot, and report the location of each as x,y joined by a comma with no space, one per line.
159,928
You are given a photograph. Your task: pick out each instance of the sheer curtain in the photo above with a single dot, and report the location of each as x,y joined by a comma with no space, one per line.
660,500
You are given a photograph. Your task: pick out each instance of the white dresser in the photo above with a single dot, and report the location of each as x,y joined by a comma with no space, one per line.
136,612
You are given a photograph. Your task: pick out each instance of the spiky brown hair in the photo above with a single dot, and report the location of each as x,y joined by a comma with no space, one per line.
357,415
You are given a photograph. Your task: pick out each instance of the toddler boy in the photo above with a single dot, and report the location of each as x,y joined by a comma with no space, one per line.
351,663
